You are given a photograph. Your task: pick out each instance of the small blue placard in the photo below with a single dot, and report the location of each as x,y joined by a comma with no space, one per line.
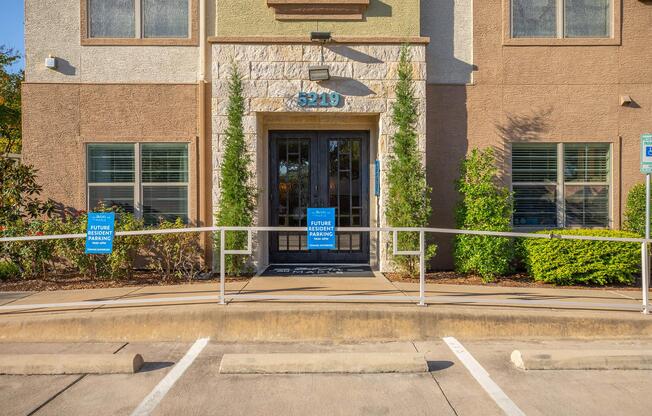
99,232
377,179
646,153
321,229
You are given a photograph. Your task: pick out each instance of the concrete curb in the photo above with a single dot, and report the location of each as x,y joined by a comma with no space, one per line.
51,364
317,323
582,360
343,363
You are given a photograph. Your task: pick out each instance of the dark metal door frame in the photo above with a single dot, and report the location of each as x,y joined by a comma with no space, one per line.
319,194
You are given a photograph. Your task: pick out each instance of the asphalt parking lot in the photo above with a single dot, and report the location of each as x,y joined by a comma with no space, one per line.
449,388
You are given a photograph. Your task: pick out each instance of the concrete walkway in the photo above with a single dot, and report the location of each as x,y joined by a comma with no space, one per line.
375,287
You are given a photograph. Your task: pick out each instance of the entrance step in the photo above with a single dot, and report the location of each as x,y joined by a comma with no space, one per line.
341,363
318,270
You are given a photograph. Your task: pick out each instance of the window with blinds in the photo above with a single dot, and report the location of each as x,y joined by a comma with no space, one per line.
561,185
164,182
111,176
153,186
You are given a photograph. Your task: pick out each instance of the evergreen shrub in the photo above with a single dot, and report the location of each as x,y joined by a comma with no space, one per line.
581,262
408,193
237,194
484,205
635,210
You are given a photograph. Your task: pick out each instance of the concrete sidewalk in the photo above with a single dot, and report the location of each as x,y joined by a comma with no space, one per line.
337,288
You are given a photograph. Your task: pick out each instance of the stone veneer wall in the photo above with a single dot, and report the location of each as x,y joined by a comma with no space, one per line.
273,75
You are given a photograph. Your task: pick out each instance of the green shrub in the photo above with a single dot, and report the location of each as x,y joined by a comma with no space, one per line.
635,210
237,195
8,270
487,206
408,193
572,262
119,263
33,258
175,255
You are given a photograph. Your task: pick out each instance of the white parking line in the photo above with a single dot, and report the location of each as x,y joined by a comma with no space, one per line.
483,378
154,398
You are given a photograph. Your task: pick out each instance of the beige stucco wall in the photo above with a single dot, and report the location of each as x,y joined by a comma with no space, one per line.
254,18
542,93
449,25
365,75
53,27
60,119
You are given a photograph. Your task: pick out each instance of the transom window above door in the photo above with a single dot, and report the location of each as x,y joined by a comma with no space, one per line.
138,21
563,20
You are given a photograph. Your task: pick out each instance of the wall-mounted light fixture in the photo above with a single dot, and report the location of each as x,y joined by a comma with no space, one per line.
320,72
51,62
625,100
322,37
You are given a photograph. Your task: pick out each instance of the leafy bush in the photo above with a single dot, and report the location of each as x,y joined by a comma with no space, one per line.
19,193
570,262
408,193
175,255
487,206
8,270
119,263
635,210
237,195
30,257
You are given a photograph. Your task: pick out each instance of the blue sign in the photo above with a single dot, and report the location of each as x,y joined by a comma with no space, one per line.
313,99
377,179
99,232
646,154
321,229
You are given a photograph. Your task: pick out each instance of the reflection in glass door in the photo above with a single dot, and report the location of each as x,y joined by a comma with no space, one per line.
319,169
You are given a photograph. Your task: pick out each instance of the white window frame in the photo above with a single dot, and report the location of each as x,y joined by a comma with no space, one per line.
138,183
139,22
560,185
561,27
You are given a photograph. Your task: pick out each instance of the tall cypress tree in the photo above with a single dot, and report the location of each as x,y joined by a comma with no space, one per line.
408,199
237,194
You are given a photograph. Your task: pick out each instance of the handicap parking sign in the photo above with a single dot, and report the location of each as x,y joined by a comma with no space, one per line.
321,229
646,153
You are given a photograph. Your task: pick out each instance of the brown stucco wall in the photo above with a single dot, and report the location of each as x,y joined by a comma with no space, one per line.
541,93
59,119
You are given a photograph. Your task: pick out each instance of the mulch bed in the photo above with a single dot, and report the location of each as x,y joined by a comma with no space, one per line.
515,280
74,281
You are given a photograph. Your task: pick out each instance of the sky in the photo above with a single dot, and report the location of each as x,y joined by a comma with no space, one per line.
11,28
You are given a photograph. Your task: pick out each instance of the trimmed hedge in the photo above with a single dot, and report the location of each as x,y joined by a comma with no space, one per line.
578,262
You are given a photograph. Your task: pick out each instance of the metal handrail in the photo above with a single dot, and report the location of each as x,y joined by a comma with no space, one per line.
422,299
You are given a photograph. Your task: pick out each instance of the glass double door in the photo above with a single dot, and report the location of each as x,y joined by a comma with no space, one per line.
319,169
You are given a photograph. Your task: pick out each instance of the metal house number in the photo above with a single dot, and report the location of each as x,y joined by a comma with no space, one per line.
313,99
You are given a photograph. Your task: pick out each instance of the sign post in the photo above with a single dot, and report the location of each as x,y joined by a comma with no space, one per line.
100,230
646,169
321,229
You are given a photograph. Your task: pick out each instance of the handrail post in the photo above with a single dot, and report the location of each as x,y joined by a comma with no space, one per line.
222,267
645,259
422,268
